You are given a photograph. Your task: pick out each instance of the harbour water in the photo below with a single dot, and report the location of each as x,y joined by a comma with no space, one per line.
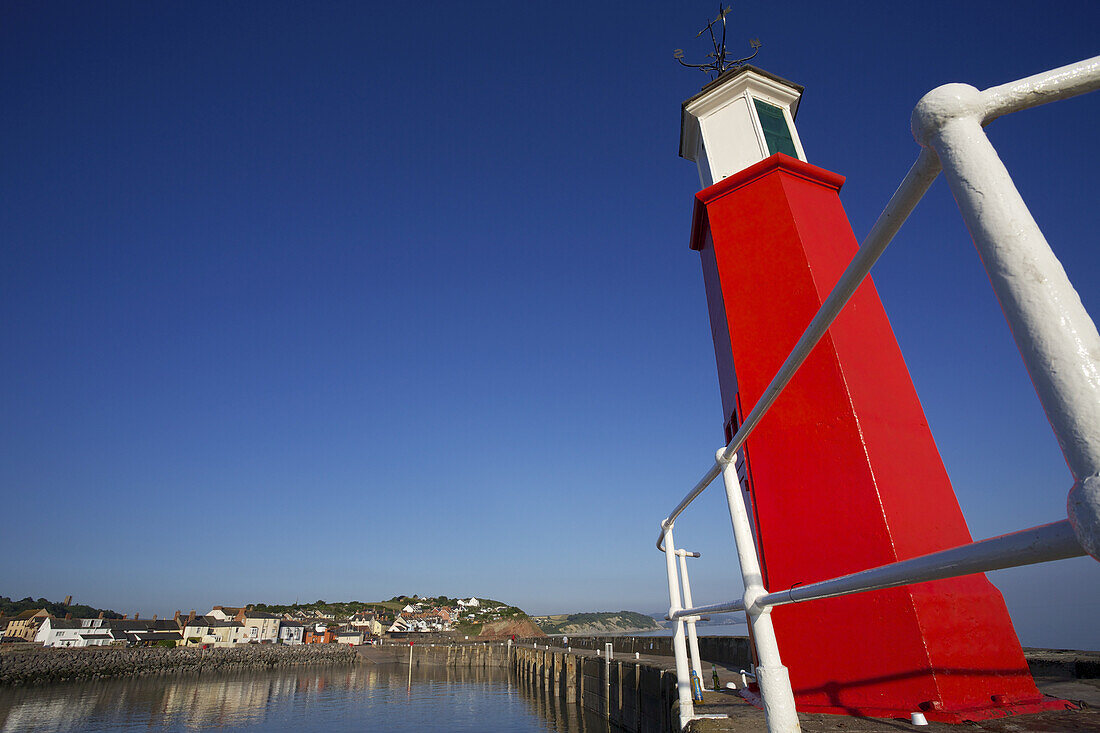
359,698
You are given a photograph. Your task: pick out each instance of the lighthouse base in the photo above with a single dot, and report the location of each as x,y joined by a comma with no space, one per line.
843,474
934,712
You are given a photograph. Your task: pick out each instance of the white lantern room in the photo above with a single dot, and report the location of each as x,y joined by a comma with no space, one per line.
740,118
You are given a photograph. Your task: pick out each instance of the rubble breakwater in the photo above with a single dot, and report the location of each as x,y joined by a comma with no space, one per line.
36,665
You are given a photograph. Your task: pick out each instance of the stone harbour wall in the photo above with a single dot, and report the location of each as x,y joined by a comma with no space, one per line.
36,665
631,696
470,655
730,650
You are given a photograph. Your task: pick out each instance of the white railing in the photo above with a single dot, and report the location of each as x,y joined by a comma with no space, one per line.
1056,338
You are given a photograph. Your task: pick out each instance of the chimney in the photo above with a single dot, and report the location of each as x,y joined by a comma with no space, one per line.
176,618
125,616
154,617
191,616
68,600
136,615
68,617
101,614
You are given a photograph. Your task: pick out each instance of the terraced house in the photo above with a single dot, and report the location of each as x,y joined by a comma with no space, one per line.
292,632
25,625
81,632
261,628
199,631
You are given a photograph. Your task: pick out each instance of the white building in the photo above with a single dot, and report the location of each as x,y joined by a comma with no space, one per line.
79,632
199,631
59,632
291,632
349,635
224,613
228,633
261,627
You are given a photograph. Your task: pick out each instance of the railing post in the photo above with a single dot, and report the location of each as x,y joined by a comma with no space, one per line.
692,637
775,683
679,647
1056,338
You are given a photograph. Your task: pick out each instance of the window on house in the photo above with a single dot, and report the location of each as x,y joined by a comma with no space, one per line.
776,133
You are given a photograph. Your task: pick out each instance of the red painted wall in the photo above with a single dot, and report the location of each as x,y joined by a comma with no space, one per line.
845,474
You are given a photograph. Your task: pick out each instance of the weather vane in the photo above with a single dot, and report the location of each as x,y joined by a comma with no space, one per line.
719,62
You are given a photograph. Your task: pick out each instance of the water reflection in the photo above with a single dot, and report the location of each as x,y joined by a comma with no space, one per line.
561,716
346,698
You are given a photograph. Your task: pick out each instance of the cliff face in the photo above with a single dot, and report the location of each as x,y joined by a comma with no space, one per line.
596,623
522,628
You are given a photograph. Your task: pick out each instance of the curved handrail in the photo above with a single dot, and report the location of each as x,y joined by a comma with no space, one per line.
901,204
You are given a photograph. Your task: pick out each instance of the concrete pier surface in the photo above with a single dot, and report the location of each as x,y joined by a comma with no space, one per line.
744,718
1070,675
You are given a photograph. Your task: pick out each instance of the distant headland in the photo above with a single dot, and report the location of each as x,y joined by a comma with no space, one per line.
597,623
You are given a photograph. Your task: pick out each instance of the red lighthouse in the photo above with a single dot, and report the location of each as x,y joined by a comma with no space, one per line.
842,475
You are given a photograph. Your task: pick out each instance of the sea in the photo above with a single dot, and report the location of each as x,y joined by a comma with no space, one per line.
393,699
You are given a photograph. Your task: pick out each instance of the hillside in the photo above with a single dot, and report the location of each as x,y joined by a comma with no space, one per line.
521,628
344,609
602,622
57,609
490,618
339,609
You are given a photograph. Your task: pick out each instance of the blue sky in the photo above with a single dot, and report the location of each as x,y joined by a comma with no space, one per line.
348,300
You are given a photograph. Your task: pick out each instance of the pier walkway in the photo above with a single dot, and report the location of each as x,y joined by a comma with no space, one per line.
1054,672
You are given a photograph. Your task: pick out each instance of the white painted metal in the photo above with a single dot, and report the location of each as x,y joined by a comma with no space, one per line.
901,204
700,486
1058,84
720,127
1046,543
1056,338
679,648
726,607
1049,86
692,637
775,684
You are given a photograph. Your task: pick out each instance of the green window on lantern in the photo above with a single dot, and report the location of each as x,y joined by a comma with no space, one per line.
776,132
